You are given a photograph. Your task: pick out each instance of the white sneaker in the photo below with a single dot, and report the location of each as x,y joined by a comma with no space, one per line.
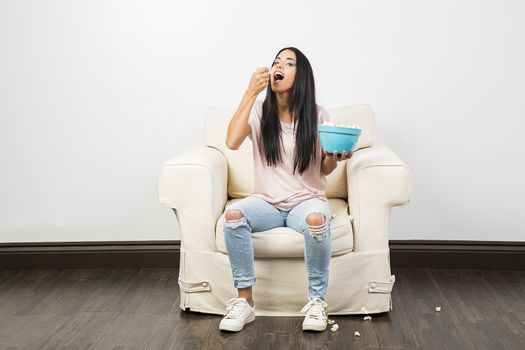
316,315
238,313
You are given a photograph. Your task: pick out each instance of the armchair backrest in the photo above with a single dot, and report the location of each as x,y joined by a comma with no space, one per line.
240,162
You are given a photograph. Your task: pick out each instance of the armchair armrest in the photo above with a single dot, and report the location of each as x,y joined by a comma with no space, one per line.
377,181
194,184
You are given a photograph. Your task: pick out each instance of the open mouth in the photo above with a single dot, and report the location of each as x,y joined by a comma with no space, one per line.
278,76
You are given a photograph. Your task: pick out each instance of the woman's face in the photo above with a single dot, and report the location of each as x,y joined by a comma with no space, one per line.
282,73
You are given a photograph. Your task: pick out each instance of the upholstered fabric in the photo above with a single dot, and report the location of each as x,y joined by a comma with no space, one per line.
198,183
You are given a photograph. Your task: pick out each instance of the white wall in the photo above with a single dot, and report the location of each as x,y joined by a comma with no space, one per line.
96,95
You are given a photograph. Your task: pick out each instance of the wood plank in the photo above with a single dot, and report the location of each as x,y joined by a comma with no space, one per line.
139,308
479,307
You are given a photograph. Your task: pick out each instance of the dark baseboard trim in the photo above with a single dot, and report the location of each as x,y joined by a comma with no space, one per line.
458,254
403,253
89,254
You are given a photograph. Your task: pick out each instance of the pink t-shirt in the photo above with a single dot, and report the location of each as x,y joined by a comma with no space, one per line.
277,184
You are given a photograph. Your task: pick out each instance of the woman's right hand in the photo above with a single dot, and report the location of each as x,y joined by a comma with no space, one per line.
259,80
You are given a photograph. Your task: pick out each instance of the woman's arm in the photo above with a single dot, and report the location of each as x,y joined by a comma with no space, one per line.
329,161
239,129
328,165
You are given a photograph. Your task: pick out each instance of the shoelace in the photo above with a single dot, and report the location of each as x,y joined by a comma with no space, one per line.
235,307
316,309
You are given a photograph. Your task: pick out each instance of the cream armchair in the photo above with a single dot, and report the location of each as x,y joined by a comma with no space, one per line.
199,182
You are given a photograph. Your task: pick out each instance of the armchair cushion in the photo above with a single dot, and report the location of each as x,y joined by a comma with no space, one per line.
284,242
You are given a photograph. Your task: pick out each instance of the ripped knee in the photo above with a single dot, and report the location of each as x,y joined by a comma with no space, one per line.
234,218
233,214
317,226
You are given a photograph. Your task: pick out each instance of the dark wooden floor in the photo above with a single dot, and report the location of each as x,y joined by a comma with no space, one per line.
139,309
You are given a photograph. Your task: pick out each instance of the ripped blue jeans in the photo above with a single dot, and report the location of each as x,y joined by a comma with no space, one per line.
259,215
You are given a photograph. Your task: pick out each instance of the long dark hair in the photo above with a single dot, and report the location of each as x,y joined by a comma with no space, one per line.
303,109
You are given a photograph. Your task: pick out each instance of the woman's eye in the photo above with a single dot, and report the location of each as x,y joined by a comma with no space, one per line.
290,64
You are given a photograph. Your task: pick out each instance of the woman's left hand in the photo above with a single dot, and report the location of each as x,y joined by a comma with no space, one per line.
338,157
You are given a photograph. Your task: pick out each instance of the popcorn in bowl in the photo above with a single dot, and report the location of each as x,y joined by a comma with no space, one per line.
353,126
338,137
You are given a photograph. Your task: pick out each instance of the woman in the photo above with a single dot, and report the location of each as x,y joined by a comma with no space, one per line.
290,182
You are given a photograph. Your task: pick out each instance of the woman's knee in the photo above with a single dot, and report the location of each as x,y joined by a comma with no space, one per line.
233,214
317,225
315,219
234,218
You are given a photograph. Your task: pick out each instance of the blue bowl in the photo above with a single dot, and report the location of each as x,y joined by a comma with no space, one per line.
338,138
